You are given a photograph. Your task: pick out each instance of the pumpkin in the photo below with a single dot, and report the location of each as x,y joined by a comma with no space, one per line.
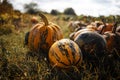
34,20
43,35
98,23
91,27
92,44
109,36
112,38
65,53
74,34
118,29
107,27
87,28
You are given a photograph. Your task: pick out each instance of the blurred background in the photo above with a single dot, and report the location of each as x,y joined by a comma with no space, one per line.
85,7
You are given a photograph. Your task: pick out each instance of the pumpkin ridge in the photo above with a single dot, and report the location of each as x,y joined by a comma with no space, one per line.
73,52
58,59
32,35
78,61
32,39
35,39
55,37
43,37
57,31
80,58
44,18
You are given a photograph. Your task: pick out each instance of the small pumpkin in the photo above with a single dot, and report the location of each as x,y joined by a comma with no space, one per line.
65,53
43,35
34,20
107,27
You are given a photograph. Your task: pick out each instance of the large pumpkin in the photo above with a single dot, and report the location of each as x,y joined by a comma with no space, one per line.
92,44
65,53
43,35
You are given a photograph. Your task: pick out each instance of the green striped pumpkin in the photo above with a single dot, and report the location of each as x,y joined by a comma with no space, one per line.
65,53
43,35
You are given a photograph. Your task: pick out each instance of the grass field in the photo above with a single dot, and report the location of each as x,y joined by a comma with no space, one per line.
17,62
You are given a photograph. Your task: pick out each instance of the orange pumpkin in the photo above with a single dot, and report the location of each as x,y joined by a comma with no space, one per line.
43,35
34,20
109,36
65,53
112,38
107,27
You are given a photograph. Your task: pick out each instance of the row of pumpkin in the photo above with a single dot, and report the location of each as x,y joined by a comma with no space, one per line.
85,44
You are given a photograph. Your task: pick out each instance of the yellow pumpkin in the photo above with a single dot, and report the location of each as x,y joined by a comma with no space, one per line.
43,35
64,54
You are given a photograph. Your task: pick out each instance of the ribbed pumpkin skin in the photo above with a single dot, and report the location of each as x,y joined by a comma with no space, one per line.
74,34
83,30
65,53
42,36
91,44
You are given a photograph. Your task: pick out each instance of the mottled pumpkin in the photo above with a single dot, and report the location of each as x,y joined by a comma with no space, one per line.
65,53
43,35
92,44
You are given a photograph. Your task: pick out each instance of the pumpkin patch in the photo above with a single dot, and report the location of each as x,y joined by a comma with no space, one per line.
34,47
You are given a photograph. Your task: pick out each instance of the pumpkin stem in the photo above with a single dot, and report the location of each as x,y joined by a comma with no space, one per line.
103,20
45,20
115,25
114,28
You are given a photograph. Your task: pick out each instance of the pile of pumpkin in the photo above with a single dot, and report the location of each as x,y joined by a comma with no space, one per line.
84,44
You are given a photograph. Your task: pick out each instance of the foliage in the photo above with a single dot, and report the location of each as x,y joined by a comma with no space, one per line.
69,11
31,8
54,12
6,7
